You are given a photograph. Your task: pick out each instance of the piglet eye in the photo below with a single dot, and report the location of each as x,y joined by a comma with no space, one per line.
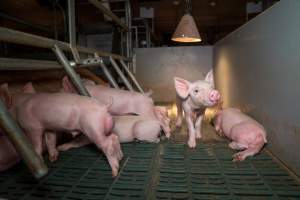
196,91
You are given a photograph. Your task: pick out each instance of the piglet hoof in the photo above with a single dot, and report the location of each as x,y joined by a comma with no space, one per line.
192,144
54,156
178,122
168,135
114,173
238,157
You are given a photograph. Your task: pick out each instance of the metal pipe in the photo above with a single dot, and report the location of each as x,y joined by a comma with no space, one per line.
72,29
129,33
70,71
129,27
136,36
108,75
29,64
21,143
107,12
124,79
131,76
18,37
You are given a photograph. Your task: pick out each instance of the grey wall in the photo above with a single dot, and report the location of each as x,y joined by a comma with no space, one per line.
156,67
257,68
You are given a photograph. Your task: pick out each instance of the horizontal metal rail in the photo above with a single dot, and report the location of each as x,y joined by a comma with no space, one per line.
18,37
30,64
107,12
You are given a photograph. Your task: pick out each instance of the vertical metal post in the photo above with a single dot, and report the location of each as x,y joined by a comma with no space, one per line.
124,79
131,76
70,71
135,36
110,78
21,143
72,29
147,33
122,43
129,33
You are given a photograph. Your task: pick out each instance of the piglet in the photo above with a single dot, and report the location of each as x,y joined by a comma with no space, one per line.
125,102
50,113
128,128
8,153
193,98
246,133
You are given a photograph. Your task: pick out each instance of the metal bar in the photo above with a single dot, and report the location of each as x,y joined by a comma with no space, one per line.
107,12
129,33
131,76
136,36
124,79
72,29
70,71
110,78
29,64
18,37
21,143
71,19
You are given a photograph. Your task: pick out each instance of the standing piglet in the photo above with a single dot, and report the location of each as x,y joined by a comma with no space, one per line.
125,102
51,113
128,128
193,98
246,133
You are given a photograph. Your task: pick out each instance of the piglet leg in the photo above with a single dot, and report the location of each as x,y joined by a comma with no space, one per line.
50,138
242,155
191,131
253,149
198,127
37,141
111,148
80,141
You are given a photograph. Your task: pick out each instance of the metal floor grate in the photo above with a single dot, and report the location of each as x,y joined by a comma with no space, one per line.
155,171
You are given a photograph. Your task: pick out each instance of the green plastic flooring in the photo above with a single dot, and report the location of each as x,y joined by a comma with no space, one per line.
155,171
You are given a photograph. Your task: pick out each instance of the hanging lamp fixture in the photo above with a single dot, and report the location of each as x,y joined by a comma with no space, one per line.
186,30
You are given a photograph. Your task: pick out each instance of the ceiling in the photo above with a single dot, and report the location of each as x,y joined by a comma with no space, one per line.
214,18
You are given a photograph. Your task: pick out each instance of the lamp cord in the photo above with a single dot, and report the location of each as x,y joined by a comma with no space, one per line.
188,6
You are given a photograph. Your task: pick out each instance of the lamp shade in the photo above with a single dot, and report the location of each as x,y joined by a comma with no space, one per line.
186,30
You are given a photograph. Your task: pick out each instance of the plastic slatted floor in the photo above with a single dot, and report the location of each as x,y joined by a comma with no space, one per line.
155,171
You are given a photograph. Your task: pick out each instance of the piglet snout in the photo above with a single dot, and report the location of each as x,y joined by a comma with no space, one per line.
214,96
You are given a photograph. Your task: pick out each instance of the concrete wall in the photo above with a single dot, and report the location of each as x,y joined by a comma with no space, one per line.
257,68
156,67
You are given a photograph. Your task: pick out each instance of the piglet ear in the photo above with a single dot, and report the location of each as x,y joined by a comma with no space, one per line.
149,93
67,85
5,95
28,88
182,87
210,77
